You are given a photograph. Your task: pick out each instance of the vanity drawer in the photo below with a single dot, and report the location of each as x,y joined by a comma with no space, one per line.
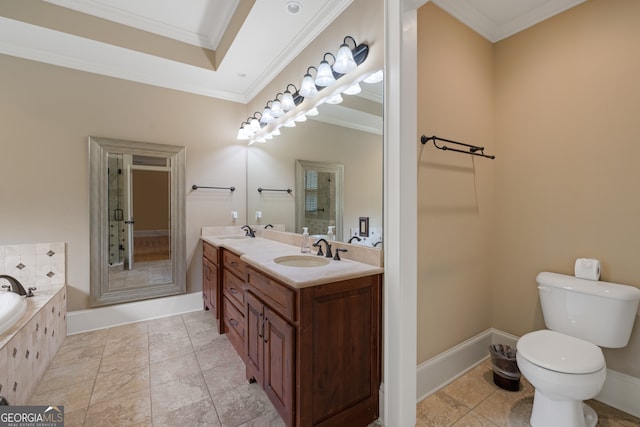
233,288
276,295
234,326
233,263
210,252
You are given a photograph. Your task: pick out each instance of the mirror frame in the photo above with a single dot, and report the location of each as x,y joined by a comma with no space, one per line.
99,150
338,170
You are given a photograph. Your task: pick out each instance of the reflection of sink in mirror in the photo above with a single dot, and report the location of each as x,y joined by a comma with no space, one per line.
232,237
301,261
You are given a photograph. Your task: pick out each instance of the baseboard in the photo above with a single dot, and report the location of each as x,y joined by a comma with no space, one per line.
620,390
122,314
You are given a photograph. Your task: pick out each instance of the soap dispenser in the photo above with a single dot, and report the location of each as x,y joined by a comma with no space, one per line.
330,234
306,242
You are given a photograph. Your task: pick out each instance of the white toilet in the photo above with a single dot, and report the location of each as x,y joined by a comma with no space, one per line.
565,363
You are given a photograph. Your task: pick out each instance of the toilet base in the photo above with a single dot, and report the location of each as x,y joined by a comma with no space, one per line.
562,413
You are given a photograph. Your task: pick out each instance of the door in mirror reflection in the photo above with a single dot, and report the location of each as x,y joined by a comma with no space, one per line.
320,205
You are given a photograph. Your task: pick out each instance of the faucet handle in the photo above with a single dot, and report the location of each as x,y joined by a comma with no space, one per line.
338,250
319,246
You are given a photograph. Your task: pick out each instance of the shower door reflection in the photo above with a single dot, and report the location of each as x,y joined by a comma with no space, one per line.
137,221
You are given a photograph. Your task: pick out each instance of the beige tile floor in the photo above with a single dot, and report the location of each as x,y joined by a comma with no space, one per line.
473,400
178,371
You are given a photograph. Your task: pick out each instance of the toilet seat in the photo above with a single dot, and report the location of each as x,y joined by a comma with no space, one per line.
561,353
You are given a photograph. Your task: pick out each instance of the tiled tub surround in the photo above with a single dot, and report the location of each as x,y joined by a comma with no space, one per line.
27,348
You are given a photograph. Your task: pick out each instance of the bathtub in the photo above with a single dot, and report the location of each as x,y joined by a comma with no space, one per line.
12,307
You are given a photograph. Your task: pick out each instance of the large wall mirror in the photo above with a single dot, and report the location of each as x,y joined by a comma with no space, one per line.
348,134
137,220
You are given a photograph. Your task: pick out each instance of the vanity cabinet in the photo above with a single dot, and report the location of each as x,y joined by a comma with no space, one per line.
233,300
316,350
269,351
210,280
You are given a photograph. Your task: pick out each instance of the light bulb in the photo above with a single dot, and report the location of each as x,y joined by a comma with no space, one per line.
375,77
267,117
276,109
353,89
308,86
344,60
254,125
325,75
335,99
287,101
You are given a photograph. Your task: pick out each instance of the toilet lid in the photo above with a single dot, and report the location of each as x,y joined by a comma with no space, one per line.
561,353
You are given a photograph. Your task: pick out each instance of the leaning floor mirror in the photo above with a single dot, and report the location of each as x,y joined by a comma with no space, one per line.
137,198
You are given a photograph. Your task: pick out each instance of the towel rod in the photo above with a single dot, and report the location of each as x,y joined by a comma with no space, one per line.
474,150
260,190
195,187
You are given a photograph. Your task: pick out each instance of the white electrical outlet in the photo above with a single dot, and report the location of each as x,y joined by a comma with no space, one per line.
234,215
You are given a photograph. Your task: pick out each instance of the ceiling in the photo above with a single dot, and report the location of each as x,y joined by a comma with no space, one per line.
227,49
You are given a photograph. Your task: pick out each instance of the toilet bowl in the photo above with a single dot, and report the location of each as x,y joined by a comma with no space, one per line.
564,371
564,363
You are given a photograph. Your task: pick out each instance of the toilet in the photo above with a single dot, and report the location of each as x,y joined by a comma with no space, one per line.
564,363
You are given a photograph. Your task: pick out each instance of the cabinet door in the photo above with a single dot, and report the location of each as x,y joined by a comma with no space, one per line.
206,277
254,318
210,286
279,341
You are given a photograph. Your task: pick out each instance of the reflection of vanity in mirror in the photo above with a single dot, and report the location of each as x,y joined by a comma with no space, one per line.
137,220
347,135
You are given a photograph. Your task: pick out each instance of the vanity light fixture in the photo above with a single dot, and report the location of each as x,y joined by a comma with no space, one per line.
375,77
335,99
354,89
267,115
254,123
276,107
308,86
276,112
289,100
325,76
242,133
344,58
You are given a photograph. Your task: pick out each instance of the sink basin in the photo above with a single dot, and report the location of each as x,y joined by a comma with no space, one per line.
301,261
232,237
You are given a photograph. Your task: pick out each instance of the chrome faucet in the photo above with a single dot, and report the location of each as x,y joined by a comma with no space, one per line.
327,247
15,286
248,231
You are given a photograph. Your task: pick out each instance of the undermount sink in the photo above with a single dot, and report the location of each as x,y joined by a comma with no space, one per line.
301,261
232,237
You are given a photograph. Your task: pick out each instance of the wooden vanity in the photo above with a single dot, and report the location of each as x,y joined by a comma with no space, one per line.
314,348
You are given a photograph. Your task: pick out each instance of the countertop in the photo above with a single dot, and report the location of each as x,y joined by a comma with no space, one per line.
260,253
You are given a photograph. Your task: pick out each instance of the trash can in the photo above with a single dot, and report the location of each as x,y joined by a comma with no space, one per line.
506,374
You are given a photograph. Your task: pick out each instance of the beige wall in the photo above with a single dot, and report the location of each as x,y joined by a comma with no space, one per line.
48,112
558,105
455,191
567,174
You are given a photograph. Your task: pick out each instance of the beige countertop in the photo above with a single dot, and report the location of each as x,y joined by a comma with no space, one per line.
260,253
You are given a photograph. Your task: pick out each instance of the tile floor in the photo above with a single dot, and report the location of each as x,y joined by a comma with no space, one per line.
473,400
178,371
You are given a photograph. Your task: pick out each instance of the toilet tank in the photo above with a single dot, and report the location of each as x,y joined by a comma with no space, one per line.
602,313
